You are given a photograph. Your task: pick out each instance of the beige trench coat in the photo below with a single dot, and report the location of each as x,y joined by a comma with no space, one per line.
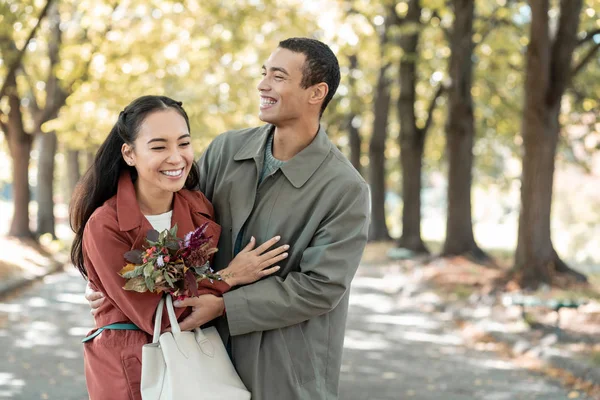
287,330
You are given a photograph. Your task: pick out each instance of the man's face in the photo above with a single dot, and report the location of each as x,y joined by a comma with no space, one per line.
282,99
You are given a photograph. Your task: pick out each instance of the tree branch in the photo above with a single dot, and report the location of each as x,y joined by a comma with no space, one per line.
563,46
579,93
33,104
17,62
586,59
438,93
54,93
588,36
492,22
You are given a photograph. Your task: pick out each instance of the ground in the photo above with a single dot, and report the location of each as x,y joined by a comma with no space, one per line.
405,339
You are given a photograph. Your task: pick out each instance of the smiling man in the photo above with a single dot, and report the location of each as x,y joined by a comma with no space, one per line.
286,178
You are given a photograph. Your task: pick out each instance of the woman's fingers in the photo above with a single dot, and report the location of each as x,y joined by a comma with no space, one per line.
91,294
273,260
267,245
250,245
94,298
269,271
274,253
95,305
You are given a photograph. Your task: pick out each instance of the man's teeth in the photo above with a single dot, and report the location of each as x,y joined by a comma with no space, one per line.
173,173
267,102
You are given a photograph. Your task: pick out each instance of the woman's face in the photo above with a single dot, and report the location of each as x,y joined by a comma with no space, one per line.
162,152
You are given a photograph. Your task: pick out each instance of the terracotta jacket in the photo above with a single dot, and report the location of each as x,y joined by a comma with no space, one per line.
113,358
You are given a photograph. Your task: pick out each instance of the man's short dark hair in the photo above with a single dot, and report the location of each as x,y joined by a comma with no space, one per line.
321,64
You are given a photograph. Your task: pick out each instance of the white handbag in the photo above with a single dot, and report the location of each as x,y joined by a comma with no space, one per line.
188,365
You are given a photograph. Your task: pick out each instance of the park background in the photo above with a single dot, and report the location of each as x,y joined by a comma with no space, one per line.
475,123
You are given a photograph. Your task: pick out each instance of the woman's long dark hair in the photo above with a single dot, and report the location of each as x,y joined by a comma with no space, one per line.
100,181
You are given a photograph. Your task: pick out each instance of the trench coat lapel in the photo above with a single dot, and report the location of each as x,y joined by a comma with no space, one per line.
182,216
245,184
129,215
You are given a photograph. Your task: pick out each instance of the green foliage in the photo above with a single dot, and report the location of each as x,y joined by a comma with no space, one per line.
208,54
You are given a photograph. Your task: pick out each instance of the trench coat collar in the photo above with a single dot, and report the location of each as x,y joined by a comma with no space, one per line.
299,168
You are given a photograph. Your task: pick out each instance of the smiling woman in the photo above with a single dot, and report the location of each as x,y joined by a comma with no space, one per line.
137,182
150,141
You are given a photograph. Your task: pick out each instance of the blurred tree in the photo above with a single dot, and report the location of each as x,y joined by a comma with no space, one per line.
412,137
460,134
46,80
12,121
549,70
73,169
47,142
354,40
378,230
354,139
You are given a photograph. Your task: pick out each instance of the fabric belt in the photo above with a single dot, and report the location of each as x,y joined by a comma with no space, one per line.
118,327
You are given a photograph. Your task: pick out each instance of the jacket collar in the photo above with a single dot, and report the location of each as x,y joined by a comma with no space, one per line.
130,216
301,167
255,145
128,210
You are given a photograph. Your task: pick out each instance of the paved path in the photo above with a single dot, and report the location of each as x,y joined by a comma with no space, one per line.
396,348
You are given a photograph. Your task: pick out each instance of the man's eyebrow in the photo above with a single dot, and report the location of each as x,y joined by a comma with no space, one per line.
164,140
277,69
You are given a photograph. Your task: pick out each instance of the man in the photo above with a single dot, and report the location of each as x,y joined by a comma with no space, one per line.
286,332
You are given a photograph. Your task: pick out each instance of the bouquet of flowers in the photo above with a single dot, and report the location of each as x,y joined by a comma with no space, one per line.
168,264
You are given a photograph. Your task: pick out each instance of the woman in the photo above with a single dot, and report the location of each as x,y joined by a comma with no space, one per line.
143,177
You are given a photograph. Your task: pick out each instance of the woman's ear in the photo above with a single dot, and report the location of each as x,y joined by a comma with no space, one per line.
127,152
319,92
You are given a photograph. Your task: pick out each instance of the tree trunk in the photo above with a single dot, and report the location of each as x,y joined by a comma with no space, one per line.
73,171
378,230
355,143
45,183
547,71
460,133
19,143
353,133
411,139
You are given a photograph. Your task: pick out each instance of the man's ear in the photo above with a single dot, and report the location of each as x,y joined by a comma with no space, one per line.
127,152
318,93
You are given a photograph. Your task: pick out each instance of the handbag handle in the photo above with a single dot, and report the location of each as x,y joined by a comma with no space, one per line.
204,343
158,318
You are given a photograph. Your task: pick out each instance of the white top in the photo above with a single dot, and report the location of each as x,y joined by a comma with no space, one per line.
160,222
